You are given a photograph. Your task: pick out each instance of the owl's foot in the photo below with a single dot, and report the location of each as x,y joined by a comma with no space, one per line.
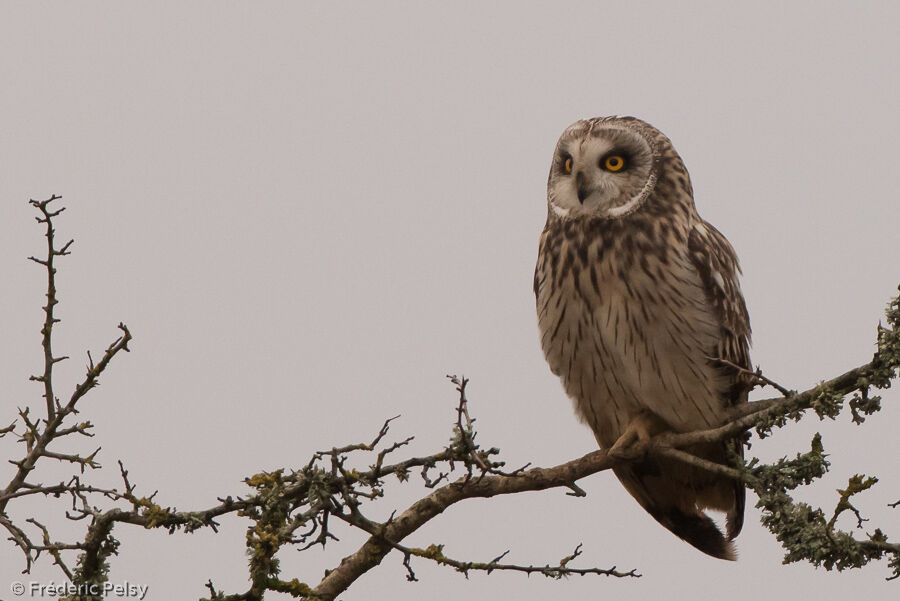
635,440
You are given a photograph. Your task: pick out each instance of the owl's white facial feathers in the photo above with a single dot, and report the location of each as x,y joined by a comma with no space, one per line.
604,193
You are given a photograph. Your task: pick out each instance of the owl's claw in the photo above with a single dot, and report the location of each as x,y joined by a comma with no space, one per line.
629,447
635,440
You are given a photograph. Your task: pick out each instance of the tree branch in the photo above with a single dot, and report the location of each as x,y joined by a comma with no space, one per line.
47,329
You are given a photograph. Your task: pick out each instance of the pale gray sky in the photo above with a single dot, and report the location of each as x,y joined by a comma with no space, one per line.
309,213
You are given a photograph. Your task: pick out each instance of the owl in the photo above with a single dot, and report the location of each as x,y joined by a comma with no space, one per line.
637,299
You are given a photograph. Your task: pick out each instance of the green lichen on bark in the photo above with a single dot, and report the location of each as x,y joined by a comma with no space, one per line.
804,531
887,357
828,403
267,535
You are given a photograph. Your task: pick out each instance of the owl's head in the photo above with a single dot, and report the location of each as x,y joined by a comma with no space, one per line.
606,167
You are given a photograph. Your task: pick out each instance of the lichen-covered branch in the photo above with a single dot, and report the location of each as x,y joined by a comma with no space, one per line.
804,531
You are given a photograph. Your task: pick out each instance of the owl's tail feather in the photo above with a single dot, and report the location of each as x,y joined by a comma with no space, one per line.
674,504
698,530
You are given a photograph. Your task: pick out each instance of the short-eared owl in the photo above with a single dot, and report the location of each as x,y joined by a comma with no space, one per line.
637,297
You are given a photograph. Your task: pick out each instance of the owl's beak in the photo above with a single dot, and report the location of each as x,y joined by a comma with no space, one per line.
581,184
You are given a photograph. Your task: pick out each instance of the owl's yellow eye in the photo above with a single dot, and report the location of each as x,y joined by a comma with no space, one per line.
614,163
568,165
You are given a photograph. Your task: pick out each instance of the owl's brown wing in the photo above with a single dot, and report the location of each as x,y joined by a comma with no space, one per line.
717,264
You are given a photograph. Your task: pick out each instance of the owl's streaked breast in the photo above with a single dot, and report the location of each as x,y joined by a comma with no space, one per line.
627,328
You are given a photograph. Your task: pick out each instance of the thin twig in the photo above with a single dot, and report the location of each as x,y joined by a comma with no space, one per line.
49,319
755,375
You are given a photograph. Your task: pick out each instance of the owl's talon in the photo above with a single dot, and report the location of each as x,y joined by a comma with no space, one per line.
635,440
633,452
629,450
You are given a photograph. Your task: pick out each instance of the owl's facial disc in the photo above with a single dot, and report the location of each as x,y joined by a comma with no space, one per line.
600,170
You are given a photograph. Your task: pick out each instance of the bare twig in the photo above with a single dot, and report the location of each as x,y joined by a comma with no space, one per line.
466,429
49,320
38,447
54,548
756,376
436,554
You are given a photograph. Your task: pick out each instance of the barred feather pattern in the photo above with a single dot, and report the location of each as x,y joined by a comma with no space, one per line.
632,311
